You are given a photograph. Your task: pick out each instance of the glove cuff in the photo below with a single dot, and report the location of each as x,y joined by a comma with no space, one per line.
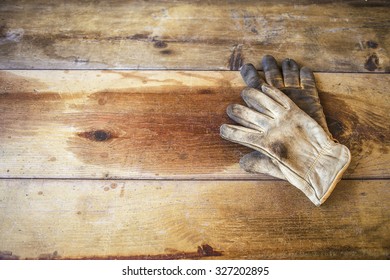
327,170
324,172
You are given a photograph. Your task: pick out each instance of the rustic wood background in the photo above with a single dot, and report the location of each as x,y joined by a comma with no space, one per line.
109,130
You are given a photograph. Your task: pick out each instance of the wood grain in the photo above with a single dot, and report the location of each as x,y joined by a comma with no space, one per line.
348,36
163,124
172,187
170,219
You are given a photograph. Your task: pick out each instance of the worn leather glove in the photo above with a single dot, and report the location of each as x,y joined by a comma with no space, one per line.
303,152
299,86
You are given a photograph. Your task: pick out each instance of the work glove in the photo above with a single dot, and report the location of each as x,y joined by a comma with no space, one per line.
295,143
299,86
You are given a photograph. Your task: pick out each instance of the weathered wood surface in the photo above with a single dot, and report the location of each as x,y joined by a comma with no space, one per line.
170,219
346,36
163,124
70,126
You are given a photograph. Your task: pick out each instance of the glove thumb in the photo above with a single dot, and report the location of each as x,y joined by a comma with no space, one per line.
256,162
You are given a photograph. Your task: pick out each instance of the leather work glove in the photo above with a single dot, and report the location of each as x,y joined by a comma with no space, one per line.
304,153
299,86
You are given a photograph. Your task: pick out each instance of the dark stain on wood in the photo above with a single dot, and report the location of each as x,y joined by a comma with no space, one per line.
236,58
3,31
49,256
372,44
355,130
372,62
139,37
206,91
160,44
48,43
365,125
81,60
102,101
203,251
8,255
254,30
97,135
166,52
207,251
368,4
9,39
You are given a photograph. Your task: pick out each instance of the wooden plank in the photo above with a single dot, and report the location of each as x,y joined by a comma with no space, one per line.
170,219
351,36
151,124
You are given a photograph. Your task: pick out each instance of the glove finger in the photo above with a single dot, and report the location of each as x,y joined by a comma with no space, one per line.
248,117
241,135
290,71
307,78
247,94
251,76
272,72
257,99
257,162
277,150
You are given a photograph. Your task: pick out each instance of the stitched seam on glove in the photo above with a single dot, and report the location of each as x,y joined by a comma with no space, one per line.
337,177
309,171
325,147
320,154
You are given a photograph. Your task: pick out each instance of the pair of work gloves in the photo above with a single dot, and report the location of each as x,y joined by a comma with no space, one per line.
285,124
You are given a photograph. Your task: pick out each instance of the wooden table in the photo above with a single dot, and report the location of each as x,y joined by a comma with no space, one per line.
109,130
